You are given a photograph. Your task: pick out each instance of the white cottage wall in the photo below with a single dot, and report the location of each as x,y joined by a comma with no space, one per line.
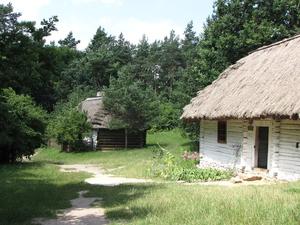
283,152
221,154
289,150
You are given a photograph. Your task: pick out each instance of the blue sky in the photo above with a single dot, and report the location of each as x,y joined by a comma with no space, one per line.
133,18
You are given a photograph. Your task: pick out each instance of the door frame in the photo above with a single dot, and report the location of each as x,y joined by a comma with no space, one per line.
255,156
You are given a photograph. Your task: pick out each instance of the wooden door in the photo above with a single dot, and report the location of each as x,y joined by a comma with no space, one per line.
262,144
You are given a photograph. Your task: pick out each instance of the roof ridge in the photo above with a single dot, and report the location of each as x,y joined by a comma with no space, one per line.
275,43
93,98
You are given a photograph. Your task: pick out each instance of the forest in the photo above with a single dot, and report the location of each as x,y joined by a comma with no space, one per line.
146,85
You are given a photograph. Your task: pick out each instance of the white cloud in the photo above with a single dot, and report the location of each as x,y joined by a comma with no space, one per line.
80,31
29,8
105,2
133,28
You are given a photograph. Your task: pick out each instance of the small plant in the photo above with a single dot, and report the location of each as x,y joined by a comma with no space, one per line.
194,156
167,166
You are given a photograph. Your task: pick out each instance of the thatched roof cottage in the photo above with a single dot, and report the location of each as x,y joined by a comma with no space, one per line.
103,137
249,116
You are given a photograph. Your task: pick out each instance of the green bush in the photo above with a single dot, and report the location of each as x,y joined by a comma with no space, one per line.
168,117
67,125
22,126
68,128
167,166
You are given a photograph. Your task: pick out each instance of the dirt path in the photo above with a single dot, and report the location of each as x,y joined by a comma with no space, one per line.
99,176
82,212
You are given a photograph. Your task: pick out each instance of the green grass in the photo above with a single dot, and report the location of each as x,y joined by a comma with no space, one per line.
38,189
196,205
34,189
133,162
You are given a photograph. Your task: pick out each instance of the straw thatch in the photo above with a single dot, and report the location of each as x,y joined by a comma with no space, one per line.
265,83
97,115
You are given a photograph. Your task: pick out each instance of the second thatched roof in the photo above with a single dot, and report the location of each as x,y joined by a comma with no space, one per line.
96,113
266,83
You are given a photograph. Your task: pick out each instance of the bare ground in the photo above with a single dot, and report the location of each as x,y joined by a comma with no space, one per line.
82,212
99,176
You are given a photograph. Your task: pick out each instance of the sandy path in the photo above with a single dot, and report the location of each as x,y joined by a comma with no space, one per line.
82,212
99,177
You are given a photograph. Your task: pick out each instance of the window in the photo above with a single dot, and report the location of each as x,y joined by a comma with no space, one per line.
222,132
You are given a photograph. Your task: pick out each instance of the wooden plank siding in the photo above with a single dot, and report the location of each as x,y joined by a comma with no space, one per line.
283,154
289,154
222,153
116,139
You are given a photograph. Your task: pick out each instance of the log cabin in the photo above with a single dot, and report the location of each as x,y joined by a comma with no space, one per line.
249,116
103,137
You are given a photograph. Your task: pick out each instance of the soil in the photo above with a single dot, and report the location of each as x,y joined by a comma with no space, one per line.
82,211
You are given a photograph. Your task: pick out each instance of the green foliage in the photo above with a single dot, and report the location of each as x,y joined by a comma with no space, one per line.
104,57
168,117
69,41
130,102
68,128
28,65
22,126
67,125
160,77
238,27
167,166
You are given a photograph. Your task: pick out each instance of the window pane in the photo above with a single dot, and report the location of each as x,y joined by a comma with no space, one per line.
222,131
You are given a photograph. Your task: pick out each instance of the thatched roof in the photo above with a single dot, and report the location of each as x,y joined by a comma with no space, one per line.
95,111
266,83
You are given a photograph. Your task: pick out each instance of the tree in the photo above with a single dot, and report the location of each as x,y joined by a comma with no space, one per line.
67,124
101,40
68,128
132,104
69,41
240,26
22,126
122,50
24,62
104,57
170,60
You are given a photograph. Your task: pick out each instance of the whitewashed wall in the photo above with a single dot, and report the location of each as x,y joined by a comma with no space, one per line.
226,155
289,155
283,155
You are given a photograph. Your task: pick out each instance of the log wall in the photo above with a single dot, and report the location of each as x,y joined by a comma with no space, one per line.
116,139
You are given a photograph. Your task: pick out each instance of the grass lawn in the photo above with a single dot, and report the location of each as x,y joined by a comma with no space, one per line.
38,189
132,163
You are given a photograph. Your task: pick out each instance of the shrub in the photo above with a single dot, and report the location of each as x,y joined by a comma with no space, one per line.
195,156
167,166
22,126
168,117
67,125
68,128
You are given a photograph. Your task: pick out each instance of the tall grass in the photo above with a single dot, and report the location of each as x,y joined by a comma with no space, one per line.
39,189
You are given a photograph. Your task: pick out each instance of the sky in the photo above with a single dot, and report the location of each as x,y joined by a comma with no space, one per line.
155,18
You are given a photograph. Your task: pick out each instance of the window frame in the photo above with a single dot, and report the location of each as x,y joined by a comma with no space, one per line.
222,132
